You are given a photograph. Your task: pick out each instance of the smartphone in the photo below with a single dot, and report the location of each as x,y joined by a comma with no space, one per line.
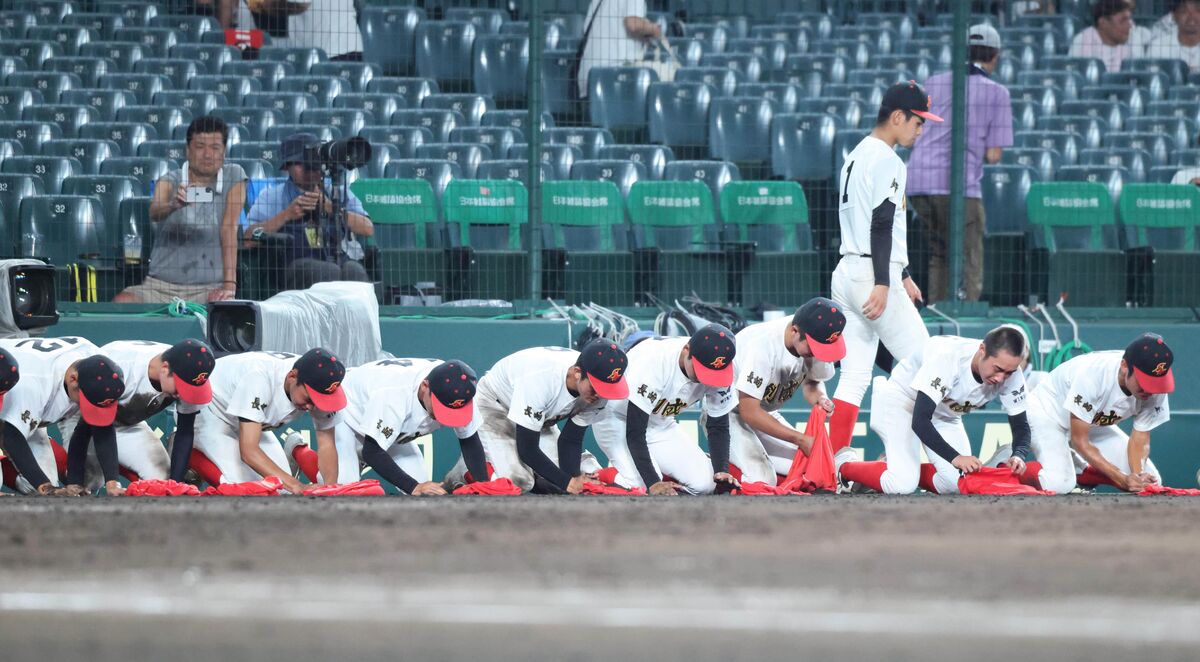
198,194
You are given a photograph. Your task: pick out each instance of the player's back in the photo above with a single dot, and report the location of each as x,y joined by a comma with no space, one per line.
527,365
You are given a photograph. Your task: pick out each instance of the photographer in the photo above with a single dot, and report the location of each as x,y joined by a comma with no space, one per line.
195,214
301,209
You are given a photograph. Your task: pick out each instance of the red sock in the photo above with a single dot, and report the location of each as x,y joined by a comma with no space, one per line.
205,467
1091,477
735,471
1030,477
928,471
10,474
130,475
865,473
471,479
60,458
307,459
607,475
841,424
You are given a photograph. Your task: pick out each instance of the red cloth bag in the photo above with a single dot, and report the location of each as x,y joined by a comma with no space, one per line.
498,487
611,490
759,488
999,481
268,486
1157,490
160,488
369,487
816,471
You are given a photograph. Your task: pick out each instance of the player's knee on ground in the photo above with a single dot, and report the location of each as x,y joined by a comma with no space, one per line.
895,481
1057,482
946,482
520,475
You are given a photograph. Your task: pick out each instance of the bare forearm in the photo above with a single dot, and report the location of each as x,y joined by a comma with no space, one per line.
327,457
1094,458
759,420
259,461
359,224
813,391
1138,449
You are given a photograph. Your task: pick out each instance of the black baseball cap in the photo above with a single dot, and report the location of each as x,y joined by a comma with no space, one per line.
10,374
712,349
1150,359
910,96
291,149
322,374
605,362
822,324
191,364
452,385
101,385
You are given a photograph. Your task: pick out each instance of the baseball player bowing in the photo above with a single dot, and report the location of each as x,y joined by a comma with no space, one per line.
1074,412
157,376
871,282
774,359
640,435
393,402
59,378
254,393
923,402
523,398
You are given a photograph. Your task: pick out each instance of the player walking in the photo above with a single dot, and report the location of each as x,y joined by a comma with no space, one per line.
875,253
774,359
523,398
641,437
254,393
923,402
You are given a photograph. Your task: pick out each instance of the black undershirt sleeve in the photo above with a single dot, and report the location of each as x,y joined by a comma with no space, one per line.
717,429
570,448
1020,434
474,457
385,466
105,440
531,454
636,421
882,219
922,425
77,447
181,445
16,447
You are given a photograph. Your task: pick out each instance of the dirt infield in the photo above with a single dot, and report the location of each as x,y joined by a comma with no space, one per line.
1080,577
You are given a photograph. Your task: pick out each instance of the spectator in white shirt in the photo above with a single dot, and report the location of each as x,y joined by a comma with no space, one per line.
1184,43
617,32
1113,38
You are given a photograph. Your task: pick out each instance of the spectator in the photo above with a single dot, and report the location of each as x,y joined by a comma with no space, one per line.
615,32
1189,175
989,131
330,25
1184,43
195,243
1113,37
300,209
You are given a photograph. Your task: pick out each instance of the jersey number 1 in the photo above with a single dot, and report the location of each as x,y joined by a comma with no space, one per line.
846,188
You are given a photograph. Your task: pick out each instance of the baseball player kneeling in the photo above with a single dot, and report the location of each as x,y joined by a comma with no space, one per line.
640,435
923,402
524,397
774,359
254,393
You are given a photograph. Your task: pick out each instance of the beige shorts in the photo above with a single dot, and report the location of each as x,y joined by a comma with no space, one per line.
153,290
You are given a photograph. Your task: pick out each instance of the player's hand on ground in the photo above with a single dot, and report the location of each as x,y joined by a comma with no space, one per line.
114,488
593,478
293,485
826,404
911,289
1134,483
967,464
576,484
664,488
1016,464
725,482
429,489
1148,478
876,302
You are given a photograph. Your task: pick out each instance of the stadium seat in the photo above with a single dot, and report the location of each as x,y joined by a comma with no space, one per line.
878,77
802,146
749,67
322,132
1045,98
10,148
501,63
1071,83
89,153
1066,144
32,51
1133,96
289,106
714,37
142,86
1090,68
1181,130
937,52
490,217
122,54
62,228
497,139
772,54
675,241
235,88
918,66
1159,145
471,106
210,58
172,150
1077,248
1187,157
868,95
785,95
87,69
52,169
13,189
486,21
134,13
588,139
1006,268
1176,71
357,75
809,15
678,115
440,122
551,32
724,81
1137,162
1154,85
439,173
584,216
1040,40
127,135
513,169
414,90
560,157
301,59
155,42
467,156
68,117
267,73
255,121
50,84
164,120
1112,177
849,110
740,131
443,52
16,22
179,72
557,96
324,88
13,100
1044,162
388,35
515,119
1091,129
653,158
105,103
68,38
1160,220
404,212
1024,114
857,53
346,120
714,174
406,139
145,169
794,38
1115,113
1187,110
254,168
267,151
379,105
110,190
376,166
621,173
189,27
618,99
688,50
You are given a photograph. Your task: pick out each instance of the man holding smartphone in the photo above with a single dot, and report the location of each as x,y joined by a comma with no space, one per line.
195,212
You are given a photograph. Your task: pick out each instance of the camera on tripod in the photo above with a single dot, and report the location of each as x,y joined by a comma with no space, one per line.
342,154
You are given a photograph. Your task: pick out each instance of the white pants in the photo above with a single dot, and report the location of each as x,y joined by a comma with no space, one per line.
138,450
899,327
220,443
350,464
760,456
43,452
671,451
891,419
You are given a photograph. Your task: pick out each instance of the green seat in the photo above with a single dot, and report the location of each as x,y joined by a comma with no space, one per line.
1076,247
411,240
1161,223
674,256
769,220
583,225
488,215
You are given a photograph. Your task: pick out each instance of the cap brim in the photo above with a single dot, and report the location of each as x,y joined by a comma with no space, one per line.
610,391
1155,385
827,352
94,415
722,378
330,402
453,418
2,399
927,115
192,394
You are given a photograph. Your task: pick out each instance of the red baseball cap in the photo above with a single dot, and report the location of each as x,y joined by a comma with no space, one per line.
191,364
101,385
1151,360
712,349
10,374
452,385
322,374
822,324
604,363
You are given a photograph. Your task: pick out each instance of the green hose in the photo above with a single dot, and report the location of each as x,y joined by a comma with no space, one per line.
1066,353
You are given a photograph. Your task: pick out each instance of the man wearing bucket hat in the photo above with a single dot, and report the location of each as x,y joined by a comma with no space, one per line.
254,393
524,397
641,437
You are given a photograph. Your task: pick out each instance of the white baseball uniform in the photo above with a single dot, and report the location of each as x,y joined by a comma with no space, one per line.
249,386
382,404
872,174
659,387
941,369
764,368
39,400
1086,387
529,389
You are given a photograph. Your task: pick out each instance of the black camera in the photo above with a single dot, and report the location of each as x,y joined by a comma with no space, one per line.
344,153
